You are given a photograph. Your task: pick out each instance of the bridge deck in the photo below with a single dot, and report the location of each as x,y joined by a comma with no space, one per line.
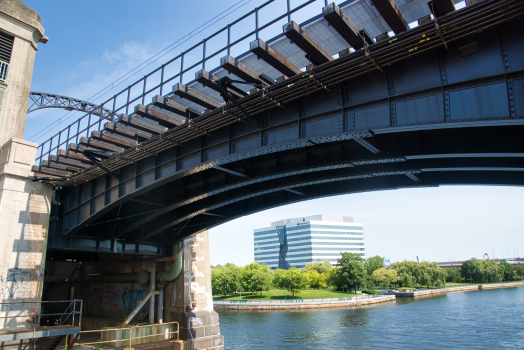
401,113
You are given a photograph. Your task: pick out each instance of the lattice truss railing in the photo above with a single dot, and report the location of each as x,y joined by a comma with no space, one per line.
40,100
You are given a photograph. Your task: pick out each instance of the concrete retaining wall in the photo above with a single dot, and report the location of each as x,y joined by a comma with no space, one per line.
472,288
318,305
503,285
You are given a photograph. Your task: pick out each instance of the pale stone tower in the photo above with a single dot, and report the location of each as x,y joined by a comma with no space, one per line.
24,205
20,32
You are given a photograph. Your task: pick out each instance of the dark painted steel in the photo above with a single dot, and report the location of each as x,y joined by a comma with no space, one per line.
432,118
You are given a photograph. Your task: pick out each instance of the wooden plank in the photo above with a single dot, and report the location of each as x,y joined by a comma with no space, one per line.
75,152
68,162
392,15
273,58
141,124
196,96
60,166
120,129
50,171
441,7
244,72
316,53
344,27
100,145
162,118
170,105
211,81
114,139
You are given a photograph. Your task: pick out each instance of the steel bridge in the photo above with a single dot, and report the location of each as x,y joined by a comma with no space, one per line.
439,104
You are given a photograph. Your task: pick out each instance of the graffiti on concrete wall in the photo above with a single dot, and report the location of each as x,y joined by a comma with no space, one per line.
132,297
16,285
111,296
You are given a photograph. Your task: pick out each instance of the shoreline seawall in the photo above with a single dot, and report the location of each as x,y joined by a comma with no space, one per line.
473,288
300,304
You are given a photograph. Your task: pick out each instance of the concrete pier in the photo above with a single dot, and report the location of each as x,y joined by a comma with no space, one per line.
190,297
24,218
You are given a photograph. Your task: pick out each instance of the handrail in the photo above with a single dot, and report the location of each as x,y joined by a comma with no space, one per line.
81,125
35,315
129,339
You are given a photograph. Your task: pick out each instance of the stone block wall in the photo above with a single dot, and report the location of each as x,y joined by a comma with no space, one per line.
24,218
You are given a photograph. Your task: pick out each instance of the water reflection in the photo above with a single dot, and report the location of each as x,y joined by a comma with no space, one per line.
479,320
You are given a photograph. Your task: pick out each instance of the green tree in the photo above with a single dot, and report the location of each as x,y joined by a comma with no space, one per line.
385,276
320,267
519,270
469,269
316,280
509,271
279,276
406,273
261,281
223,280
482,271
453,275
351,269
332,278
295,280
414,274
373,263
247,272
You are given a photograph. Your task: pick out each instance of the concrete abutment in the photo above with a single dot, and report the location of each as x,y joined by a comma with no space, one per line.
189,300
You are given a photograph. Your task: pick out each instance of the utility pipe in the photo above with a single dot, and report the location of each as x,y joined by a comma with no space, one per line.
167,276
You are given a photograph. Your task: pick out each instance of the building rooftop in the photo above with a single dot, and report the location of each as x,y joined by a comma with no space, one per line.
317,217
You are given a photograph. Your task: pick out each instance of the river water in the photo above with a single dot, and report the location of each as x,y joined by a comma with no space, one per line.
461,320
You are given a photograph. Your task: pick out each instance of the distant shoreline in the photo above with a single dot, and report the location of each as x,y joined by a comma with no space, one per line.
348,301
473,288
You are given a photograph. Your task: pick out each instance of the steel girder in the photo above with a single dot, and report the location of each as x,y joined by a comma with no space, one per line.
443,117
40,100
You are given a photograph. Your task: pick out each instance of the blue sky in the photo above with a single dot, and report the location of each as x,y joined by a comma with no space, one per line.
94,43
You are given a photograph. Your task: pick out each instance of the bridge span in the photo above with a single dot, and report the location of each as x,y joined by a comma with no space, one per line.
439,104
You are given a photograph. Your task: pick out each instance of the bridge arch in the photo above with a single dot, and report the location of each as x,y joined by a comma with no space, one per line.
440,117
41,100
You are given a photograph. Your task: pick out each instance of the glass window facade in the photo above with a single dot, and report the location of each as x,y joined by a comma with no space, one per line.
310,240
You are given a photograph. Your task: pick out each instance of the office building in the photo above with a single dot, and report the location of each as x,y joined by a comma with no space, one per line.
298,241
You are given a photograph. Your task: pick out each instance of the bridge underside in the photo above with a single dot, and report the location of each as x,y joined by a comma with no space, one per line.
442,117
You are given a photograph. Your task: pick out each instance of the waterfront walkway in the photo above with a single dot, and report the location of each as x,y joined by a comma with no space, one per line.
473,287
359,300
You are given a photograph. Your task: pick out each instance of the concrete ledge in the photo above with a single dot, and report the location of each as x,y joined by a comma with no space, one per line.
411,294
318,305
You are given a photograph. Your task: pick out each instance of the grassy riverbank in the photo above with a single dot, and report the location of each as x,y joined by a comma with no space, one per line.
281,294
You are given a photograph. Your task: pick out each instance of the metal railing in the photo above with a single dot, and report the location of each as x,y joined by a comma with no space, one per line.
296,301
35,315
33,311
4,66
128,338
85,124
